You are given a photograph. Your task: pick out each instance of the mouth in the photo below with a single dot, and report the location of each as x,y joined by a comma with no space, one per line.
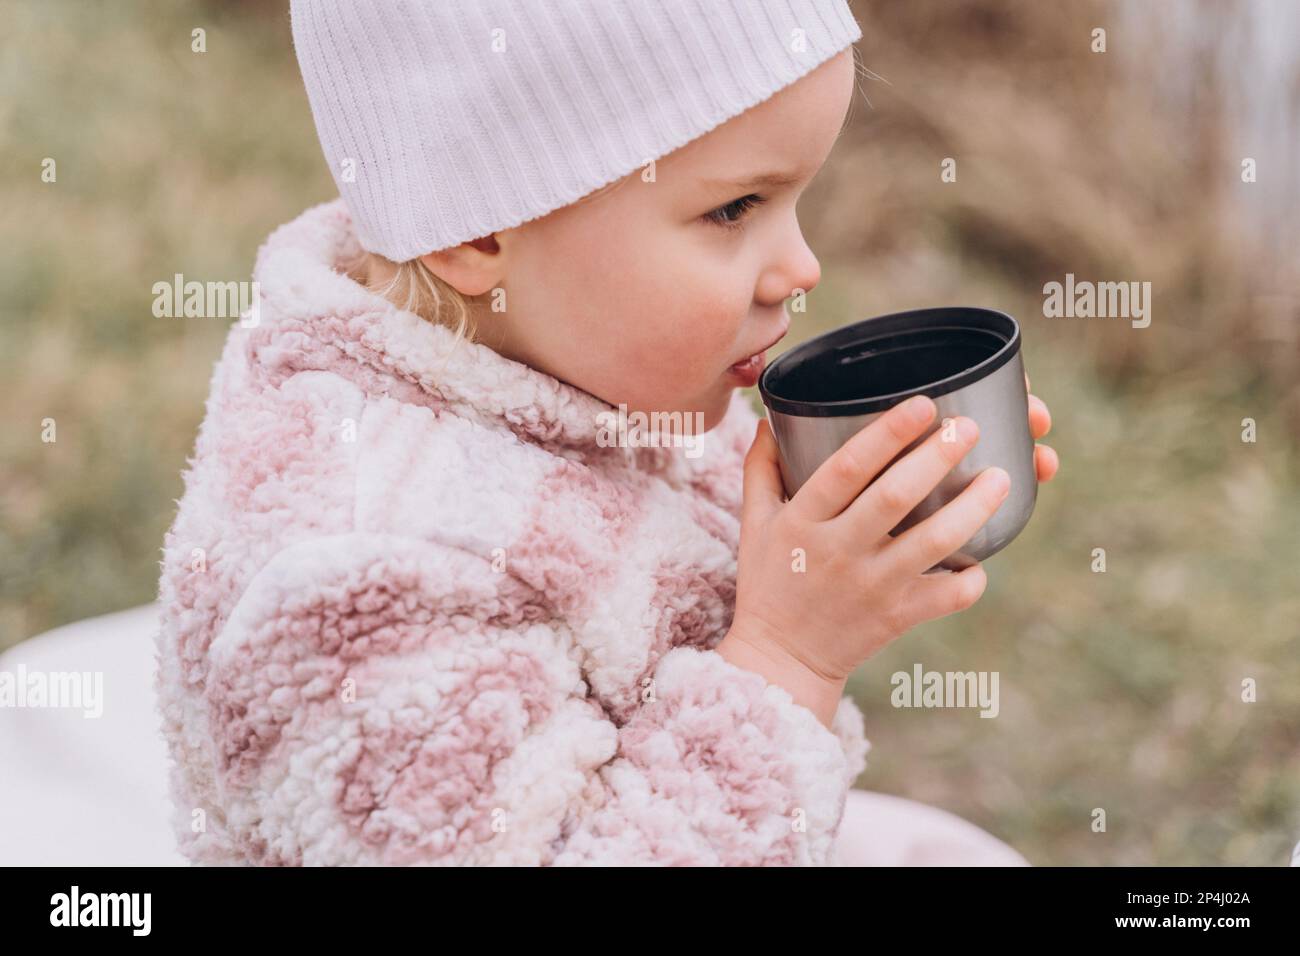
748,369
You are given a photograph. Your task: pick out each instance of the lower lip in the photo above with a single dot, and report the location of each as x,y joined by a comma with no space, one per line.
747,372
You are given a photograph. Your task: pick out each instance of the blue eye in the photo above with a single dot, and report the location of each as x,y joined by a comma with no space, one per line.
731,215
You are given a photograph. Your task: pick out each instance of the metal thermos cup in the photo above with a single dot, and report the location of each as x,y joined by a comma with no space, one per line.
967,360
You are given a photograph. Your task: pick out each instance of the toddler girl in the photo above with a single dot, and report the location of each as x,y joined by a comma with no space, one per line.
420,606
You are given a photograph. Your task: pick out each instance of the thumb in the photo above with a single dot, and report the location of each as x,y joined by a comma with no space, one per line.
763,491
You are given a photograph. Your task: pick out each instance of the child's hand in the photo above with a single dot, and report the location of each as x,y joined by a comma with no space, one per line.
821,585
1046,461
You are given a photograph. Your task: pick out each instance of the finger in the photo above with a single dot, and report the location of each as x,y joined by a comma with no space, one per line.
1046,462
932,596
839,480
763,491
900,489
928,542
1040,419
1027,385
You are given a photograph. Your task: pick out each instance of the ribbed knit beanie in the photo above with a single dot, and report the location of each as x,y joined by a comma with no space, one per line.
446,120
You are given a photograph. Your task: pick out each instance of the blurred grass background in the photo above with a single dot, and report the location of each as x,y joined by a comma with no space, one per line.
1119,690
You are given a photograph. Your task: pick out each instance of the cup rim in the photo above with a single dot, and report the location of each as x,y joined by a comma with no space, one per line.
862,331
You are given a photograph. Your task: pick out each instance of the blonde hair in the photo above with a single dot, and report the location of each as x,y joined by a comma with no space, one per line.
413,286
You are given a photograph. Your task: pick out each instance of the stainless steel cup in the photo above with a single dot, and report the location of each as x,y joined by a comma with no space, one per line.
968,360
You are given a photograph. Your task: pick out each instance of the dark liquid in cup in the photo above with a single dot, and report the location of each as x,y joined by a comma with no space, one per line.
885,365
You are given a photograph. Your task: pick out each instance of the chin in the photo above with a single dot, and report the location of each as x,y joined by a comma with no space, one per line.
704,412
715,411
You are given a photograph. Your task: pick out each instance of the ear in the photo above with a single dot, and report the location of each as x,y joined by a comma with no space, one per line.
470,268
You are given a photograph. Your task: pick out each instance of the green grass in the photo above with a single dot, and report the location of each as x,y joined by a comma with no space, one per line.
167,161
1119,690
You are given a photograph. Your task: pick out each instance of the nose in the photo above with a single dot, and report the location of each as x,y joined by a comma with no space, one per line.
792,267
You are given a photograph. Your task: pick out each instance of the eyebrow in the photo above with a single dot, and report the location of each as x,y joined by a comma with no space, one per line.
776,179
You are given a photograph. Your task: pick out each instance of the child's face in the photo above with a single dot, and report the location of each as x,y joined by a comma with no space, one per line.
648,294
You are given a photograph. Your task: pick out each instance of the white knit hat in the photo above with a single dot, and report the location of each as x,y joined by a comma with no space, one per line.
446,120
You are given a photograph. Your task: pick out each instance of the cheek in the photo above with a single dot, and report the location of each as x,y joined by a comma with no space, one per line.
683,327
692,305
642,315
652,301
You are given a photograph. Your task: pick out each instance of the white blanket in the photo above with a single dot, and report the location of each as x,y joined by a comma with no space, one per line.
78,790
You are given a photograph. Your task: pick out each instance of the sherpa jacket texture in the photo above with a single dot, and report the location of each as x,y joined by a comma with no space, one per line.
415,612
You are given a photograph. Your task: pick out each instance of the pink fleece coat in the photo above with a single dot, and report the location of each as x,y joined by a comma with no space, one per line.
416,613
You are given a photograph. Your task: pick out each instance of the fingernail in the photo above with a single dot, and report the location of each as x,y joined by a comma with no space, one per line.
1001,481
919,408
967,429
